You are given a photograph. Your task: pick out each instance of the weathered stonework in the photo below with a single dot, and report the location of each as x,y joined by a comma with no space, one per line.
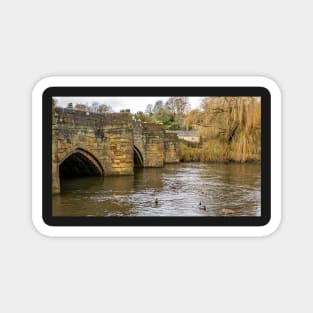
108,142
149,139
171,146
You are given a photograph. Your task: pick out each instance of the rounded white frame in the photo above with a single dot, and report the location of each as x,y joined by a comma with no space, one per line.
181,81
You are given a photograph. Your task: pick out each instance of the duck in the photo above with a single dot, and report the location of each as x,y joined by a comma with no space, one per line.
202,206
227,211
156,201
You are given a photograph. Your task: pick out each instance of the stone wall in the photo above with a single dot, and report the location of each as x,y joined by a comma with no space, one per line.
139,143
108,138
171,148
153,141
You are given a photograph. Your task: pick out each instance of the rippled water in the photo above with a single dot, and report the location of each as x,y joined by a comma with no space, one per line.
178,187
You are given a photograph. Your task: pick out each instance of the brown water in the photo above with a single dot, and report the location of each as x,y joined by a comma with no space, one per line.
178,187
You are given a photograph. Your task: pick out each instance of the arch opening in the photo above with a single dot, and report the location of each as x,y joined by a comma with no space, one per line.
138,159
79,164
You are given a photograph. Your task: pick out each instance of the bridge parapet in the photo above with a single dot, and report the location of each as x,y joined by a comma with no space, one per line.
90,119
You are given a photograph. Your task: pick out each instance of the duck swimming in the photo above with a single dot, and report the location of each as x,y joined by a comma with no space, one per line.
202,206
156,201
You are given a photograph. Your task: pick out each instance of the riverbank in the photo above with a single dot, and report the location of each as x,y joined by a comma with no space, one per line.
215,151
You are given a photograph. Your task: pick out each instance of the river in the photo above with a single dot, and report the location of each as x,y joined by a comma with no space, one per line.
179,189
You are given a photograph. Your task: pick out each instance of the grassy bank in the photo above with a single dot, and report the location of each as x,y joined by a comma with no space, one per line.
211,152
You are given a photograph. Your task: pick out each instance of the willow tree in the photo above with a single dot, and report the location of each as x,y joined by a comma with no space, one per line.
230,128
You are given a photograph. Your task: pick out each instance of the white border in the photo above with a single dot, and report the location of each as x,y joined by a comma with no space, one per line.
121,231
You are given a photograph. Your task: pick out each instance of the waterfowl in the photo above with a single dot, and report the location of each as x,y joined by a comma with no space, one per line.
156,201
201,206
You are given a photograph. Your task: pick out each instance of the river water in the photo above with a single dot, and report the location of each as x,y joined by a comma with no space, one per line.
179,189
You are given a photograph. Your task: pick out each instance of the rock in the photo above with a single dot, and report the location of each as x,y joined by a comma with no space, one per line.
227,211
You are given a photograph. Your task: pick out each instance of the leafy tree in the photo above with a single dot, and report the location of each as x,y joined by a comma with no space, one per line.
140,116
81,107
163,116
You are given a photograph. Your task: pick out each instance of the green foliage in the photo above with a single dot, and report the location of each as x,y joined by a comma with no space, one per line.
163,116
170,114
174,126
140,116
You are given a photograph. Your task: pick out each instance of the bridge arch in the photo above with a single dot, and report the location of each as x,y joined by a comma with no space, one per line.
138,158
80,162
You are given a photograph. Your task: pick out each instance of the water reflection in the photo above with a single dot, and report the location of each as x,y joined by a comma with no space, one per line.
178,187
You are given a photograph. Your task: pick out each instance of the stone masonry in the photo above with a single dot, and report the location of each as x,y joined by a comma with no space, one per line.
108,142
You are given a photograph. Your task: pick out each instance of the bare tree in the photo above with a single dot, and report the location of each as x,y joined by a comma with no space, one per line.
104,108
177,105
149,109
158,105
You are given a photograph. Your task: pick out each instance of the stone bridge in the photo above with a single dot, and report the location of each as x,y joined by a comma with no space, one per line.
94,144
